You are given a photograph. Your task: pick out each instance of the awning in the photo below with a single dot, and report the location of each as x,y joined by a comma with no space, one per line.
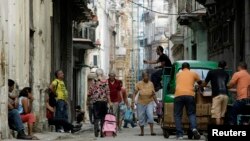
187,18
80,43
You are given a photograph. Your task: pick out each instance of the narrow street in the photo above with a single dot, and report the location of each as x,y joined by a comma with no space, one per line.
63,61
87,134
132,133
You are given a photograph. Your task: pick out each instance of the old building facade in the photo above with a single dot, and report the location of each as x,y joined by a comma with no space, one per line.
25,52
228,30
35,40
157,25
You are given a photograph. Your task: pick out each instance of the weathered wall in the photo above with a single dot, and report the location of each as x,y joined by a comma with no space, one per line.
195,35
41,59
103,33
25,47
3,67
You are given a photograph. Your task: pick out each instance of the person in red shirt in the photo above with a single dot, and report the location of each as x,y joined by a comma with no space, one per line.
115,95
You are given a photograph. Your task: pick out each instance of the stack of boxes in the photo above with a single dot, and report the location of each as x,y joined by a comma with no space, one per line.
203,113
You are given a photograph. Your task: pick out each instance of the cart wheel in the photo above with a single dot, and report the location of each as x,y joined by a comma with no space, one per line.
190,134
165,133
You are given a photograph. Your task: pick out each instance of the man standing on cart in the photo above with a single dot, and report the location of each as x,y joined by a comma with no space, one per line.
184,96
165,62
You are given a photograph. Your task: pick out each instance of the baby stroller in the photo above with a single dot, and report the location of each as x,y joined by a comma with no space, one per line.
109,126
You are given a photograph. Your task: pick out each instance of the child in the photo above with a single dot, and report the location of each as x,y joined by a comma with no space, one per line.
128,118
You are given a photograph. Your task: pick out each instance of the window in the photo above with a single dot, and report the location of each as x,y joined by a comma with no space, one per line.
95,62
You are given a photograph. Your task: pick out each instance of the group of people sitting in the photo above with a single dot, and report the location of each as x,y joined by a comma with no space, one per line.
20,111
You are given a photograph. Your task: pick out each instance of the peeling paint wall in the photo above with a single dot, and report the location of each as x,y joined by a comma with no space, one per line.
3,67
42,12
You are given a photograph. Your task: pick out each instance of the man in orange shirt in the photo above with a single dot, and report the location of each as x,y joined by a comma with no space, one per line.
242,80
184,96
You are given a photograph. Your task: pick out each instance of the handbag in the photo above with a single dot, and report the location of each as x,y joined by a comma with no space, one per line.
123,107
128,115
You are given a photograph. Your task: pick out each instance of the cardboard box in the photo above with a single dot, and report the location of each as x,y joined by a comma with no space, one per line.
207,109
199,110
200,99
185,126
168,109
169,114
203,109
203,120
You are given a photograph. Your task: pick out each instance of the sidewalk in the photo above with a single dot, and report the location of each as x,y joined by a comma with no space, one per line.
48,136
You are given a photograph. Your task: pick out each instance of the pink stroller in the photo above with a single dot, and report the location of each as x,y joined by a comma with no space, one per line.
109,126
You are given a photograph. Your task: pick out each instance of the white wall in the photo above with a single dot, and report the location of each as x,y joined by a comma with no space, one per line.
103,34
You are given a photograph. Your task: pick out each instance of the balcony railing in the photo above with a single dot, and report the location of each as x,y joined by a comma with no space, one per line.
88,33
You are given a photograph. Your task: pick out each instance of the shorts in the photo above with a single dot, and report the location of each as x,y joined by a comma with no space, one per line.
145,113
30,118
219,106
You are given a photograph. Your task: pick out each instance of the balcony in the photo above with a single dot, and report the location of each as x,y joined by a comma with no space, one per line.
85,38
88,33
80,43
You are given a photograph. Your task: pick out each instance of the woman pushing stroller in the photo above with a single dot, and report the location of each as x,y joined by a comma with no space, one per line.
99,97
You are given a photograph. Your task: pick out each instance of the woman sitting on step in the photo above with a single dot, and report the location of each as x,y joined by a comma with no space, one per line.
25,109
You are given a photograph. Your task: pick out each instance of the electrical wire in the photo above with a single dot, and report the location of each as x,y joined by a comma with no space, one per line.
169,14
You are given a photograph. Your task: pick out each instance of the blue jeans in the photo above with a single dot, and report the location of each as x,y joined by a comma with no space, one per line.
189,103
238,108
15,121
61,110
131,122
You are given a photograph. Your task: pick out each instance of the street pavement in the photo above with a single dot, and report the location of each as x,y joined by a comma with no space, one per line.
87,134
